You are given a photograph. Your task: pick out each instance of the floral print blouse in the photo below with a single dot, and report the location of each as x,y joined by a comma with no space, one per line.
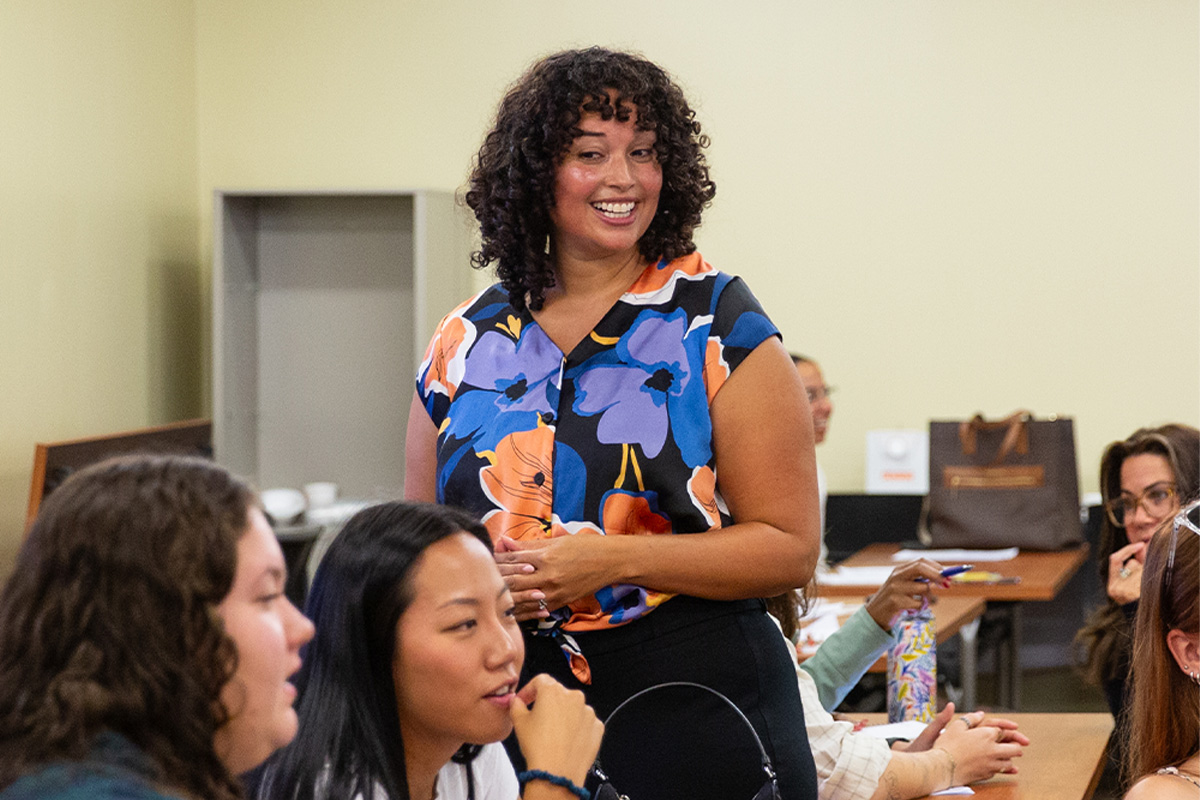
613,438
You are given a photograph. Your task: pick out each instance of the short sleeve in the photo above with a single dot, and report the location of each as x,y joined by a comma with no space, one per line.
431,377
739,325
444,364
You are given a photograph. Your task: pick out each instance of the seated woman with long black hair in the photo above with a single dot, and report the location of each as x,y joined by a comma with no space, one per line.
411,681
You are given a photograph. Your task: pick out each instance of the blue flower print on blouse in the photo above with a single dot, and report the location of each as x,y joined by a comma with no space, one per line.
656,377
517,381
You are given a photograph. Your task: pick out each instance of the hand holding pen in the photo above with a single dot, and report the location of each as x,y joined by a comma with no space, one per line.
908,587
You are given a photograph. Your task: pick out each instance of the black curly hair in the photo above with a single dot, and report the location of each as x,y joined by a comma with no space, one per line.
512,183
108,622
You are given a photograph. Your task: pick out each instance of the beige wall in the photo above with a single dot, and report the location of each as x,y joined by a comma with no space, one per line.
955,207
99,300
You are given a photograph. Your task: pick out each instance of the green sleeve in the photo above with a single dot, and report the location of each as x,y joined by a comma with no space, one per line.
844,657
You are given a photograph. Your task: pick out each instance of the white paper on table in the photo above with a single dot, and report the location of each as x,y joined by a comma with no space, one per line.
813,633
827,605
855,576
953,790
959,555
909,729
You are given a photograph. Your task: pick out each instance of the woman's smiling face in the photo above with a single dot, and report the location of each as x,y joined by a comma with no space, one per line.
606,189
458,650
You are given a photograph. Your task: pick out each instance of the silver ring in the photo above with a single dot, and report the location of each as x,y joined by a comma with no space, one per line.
541,605
970,724
1125,572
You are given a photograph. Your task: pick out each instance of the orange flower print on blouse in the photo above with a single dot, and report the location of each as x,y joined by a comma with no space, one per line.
657,282
520,481
629,513
716,370
444,359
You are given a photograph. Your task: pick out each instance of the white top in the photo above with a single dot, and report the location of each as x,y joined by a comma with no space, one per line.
495,778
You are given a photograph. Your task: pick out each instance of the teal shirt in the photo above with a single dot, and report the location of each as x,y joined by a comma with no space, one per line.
114,770
843,658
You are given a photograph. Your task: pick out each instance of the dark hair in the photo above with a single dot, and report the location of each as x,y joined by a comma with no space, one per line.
512,183
1106,636
1165,714
108,622
788,607
798,359
349,740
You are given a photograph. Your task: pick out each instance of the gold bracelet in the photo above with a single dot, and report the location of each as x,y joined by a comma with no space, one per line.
953,764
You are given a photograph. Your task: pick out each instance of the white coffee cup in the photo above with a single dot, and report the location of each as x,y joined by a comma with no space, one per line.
321,494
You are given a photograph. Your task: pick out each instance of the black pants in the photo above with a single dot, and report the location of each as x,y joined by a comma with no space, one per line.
732,647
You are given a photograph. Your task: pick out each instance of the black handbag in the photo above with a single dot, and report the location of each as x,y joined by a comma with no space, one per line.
606,788
1004,483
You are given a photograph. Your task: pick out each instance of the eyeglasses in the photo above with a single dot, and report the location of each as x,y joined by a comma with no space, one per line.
1188,518
1158,500
820,393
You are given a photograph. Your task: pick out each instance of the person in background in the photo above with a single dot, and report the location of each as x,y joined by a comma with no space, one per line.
1142,479
621,415
145,639
821,406
1164,730
411,681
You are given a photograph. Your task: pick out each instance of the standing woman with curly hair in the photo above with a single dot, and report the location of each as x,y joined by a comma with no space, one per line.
623,416
145,640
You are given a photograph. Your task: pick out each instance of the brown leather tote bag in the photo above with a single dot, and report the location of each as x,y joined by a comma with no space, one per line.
1005,483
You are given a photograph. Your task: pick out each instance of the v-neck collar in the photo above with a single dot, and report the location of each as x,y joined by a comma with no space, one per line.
591,341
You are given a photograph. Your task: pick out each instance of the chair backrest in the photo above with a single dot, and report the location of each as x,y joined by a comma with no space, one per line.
853,521
651,750
54,462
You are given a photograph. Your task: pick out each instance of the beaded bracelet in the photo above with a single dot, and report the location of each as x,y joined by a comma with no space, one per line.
558,780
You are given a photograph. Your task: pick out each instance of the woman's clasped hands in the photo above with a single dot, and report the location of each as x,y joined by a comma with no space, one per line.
976,746
546,574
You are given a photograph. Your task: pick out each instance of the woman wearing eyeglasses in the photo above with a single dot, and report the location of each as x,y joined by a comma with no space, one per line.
1165,715
1141,479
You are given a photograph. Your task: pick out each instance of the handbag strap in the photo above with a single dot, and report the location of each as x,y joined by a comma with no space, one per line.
1016,434
762,751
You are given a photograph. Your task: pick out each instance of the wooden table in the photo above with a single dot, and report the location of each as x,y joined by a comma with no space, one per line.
950,614
1042,574
1063,761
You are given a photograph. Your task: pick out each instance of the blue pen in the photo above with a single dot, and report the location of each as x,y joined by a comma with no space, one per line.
950,572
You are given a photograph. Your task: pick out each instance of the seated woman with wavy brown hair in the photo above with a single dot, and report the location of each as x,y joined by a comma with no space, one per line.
145,640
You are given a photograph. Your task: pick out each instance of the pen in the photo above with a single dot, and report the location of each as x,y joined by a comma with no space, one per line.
949,572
